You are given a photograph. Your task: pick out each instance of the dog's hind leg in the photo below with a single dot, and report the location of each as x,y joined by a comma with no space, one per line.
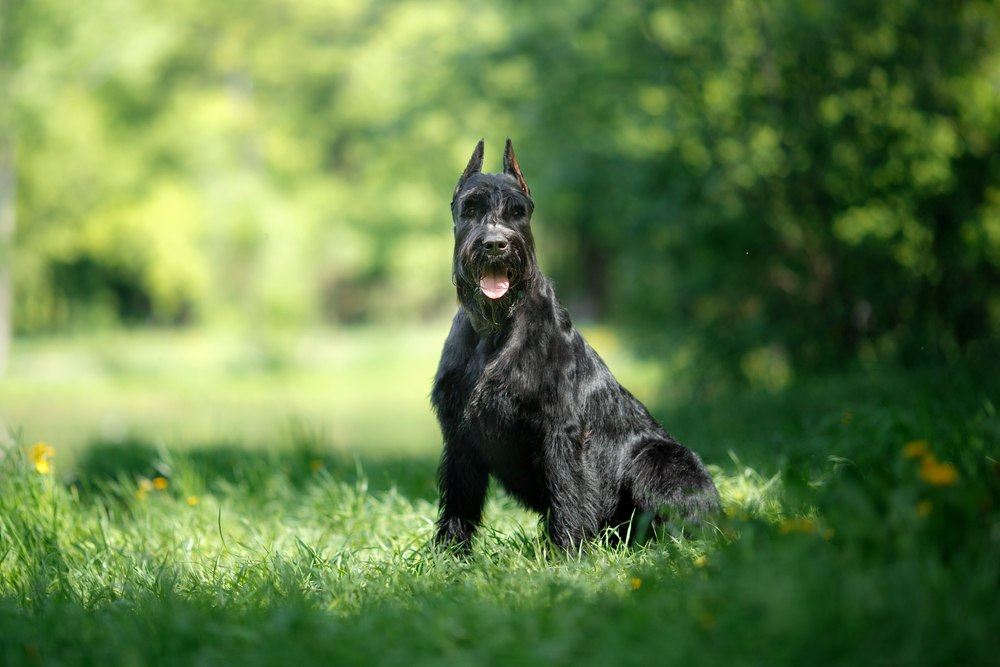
670,481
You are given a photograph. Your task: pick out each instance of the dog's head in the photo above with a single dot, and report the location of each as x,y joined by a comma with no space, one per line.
494,251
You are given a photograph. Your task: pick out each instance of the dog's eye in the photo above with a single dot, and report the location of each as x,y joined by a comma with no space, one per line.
471,211
517,212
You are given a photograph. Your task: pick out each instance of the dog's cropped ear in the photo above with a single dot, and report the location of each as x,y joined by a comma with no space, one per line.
474,167
510,166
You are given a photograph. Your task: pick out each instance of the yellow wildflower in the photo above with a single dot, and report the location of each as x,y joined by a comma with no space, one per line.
934,472
924,508
701,561
193,500
41,454
160,483
636,583
915,449
315,465
798,524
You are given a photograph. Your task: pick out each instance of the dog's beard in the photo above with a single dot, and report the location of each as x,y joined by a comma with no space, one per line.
489,287
490,283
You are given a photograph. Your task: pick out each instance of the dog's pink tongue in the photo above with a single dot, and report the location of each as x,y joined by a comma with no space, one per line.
494,283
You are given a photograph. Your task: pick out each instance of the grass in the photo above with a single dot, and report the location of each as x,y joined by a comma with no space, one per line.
862,526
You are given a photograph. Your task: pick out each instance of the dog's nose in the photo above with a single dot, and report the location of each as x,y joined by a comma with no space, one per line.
495,243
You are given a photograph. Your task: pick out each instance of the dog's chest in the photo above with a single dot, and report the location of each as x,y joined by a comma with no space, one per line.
500,420
496,401
515,458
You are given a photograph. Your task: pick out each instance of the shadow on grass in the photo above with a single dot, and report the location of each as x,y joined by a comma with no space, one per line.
863,416
791,436
298,463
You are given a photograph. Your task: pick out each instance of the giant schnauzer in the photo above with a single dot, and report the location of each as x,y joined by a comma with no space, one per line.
520,395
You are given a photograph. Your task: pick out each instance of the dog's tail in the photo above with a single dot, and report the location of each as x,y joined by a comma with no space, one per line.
670,481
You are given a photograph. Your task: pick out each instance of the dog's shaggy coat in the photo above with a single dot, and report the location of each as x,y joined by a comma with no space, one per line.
521,396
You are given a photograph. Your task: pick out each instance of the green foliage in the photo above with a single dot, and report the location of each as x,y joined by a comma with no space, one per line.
797,183
299,554
791,184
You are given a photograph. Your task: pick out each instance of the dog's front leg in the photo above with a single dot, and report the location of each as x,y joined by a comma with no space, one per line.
462,481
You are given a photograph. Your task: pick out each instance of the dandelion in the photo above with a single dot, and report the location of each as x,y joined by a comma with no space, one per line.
145,486
34,656
936,473
193,500
636,583
160,483
41,454
798,524
916,449
736,512
315,465
701,561
924,508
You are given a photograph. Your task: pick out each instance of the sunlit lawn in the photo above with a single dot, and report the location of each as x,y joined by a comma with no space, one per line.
216,501
362,389
367,387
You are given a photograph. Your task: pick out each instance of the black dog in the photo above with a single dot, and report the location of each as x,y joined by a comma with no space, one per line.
520,395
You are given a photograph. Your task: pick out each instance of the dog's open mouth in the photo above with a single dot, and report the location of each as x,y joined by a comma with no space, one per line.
495,282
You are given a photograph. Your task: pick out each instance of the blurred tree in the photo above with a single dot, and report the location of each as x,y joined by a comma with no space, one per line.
793,183
12,32
7,193
770,186
7,175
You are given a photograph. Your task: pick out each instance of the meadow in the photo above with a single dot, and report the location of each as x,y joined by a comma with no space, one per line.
199,498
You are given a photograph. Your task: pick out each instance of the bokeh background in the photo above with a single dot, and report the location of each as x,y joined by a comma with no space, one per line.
224,286
217,217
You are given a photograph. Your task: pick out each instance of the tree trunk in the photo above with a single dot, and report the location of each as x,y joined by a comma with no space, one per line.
7,196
